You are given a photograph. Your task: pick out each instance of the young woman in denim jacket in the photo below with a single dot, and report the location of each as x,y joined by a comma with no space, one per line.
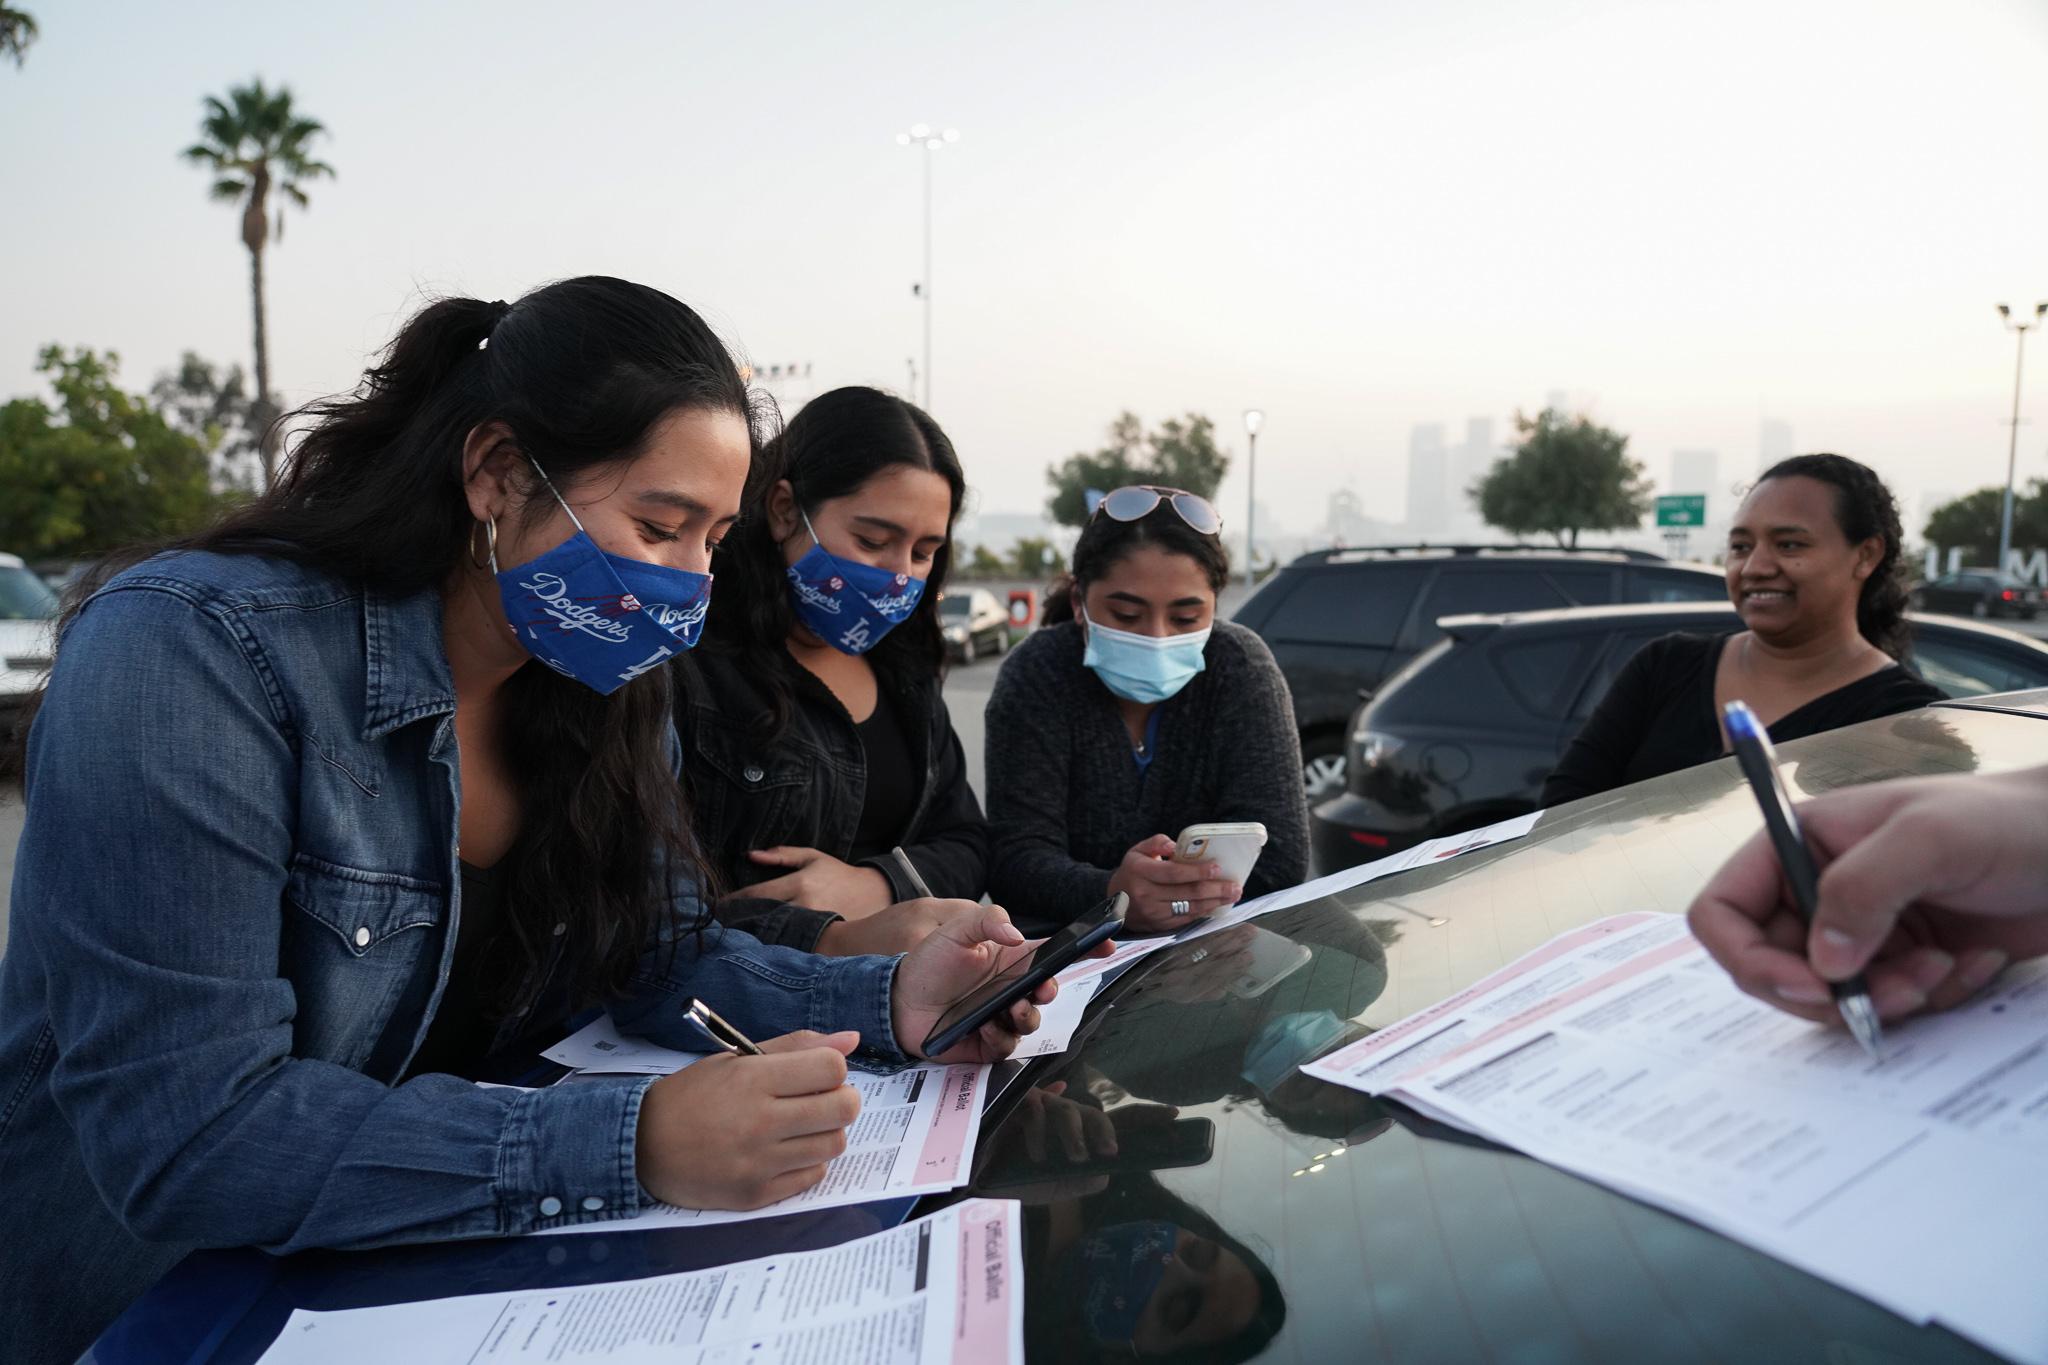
815,740
377,776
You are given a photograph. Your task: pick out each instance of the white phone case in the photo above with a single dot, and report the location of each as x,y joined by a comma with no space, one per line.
1232,847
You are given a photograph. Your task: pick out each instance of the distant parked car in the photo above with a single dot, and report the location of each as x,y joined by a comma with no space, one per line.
28,610
1341,622
1980,593
1467,733
975,624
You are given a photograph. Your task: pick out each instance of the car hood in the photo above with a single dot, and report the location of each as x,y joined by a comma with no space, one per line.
1341,1228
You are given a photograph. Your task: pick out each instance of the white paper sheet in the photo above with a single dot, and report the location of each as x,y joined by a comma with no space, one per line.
945,1290
915,1135
1622,1052
599,1046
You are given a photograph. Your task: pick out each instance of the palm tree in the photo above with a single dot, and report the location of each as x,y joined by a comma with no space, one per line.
254,143
17,31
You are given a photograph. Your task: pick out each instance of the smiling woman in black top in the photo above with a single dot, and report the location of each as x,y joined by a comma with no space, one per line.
816,739
1813,568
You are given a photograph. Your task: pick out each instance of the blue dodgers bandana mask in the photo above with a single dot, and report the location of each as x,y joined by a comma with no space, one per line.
600,618
1121,1267
1144,668
848,605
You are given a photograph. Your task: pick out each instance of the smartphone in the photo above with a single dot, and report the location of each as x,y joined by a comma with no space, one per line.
1148,1146
1272,958
1020,978
1232,847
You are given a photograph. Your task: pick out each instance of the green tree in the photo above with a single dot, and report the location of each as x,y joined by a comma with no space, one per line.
1566,475
1970,523
212,404
101,470
255,142
1182,453
17,30
1031,556
985,563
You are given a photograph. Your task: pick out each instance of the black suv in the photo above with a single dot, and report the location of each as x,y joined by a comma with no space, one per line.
1341,622
1468,732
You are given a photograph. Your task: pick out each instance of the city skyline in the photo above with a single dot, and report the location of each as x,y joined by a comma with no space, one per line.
1703,218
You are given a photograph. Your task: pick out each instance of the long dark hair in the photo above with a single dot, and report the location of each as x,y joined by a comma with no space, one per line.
579,372
835,443
1105,540
1864,507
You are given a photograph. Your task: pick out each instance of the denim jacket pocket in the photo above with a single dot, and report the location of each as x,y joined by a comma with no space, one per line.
352,942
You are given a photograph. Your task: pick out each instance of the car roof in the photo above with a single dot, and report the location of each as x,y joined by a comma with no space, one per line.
1380,1228
1680,615
1370,554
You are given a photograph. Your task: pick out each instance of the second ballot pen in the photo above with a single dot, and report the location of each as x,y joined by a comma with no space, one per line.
1760,765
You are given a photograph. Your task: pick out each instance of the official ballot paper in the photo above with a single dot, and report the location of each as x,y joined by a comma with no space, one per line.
915,1134
943,1290
1623,1053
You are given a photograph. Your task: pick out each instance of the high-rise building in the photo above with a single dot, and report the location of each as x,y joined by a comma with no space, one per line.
1429,480
1773,442
1470,463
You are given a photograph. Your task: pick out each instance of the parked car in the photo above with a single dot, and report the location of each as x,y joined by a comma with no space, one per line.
1980,593
1468,732
1315,1224
1341,622
28,611
974,623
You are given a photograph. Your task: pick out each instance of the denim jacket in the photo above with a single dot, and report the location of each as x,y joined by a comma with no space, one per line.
234,910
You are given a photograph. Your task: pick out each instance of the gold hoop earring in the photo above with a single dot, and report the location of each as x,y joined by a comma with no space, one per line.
491,545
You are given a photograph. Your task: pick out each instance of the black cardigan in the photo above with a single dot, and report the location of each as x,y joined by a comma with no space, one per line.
1659,716
805,787
1067,800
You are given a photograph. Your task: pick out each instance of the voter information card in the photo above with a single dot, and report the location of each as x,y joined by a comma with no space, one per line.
1623,1053
944,1290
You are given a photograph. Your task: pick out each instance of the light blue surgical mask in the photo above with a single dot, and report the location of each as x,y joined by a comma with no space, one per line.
847,604
1144,668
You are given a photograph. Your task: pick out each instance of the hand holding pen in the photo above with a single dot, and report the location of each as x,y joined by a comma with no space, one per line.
1930,887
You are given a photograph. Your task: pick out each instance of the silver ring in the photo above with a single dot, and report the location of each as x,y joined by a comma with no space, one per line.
1200,954
1180,907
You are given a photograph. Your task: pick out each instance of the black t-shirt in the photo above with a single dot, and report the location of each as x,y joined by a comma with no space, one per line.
1659,716
891,786
461,1034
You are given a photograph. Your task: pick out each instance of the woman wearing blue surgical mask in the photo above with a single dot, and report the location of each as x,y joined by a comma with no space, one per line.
329,804
1133,714
816,742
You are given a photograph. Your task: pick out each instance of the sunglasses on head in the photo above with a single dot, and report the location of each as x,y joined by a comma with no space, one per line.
1135,502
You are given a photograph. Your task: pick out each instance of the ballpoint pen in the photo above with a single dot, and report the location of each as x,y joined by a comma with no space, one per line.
728,1038
910,871
1760,765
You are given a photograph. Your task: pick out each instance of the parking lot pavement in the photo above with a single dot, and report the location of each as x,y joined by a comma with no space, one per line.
966,692
10,835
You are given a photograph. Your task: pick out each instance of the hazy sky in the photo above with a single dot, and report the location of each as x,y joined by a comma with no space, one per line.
1358,216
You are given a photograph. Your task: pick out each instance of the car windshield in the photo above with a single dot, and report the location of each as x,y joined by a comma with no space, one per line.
953,608
24,597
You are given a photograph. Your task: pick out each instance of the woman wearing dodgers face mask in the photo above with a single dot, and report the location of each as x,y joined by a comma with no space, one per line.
815,738
378,777
1134,714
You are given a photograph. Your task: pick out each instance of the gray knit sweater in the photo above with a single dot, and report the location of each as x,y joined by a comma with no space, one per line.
1066,799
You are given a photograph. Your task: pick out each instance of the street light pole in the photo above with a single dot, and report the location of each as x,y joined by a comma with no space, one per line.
2012,449
922,136
1254,418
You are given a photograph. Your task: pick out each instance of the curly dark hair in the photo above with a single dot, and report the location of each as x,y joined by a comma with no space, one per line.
1864,508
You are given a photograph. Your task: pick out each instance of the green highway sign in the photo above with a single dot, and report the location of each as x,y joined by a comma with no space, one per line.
1682,509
